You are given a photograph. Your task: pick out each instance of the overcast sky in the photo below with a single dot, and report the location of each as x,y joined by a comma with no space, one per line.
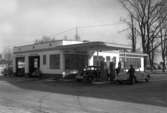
23,21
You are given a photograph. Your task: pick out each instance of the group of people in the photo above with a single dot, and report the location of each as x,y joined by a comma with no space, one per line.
109,72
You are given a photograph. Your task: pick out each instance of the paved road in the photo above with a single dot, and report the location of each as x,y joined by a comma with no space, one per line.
34,96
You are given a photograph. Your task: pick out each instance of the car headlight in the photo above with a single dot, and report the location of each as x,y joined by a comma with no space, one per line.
74,72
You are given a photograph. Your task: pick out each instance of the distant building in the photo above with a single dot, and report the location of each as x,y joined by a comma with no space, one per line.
63,57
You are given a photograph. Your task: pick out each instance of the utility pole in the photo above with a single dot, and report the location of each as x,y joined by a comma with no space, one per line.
77,38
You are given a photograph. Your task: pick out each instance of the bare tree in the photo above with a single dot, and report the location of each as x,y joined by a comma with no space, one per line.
8,55
146,14
132,31
133,35
163,35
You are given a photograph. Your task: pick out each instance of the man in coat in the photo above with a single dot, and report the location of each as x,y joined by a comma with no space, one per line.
131,72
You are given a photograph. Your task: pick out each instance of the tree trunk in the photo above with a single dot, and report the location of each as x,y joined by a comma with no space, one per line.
163,65
150,62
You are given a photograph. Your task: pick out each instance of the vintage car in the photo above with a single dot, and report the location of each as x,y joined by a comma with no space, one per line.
139,76
89,73
70,74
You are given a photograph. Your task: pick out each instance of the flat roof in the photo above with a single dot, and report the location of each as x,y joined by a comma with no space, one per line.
96,46
85,46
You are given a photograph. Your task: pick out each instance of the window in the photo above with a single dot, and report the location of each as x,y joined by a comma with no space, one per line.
20,62
55,61
136,62
44,59
97,60
114,59
75,61
20,65
108,58
36,65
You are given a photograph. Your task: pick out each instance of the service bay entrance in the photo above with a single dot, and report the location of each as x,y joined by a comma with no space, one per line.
34,63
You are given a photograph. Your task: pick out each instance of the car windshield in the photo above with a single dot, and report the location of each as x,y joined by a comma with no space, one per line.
90,68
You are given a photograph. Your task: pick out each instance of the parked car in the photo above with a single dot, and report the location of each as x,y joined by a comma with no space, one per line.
70,74
139,76
2,68
89,73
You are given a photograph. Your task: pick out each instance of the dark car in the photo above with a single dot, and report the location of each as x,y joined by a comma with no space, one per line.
89,73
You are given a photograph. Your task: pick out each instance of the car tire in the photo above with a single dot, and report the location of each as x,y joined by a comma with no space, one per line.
78,80
119,82
146,80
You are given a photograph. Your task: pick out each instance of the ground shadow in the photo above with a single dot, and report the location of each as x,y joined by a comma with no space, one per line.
152,93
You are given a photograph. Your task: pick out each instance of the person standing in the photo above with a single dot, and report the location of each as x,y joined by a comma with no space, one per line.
131,72
112,71
119,68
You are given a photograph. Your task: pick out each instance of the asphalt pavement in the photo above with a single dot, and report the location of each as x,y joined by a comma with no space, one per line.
22,95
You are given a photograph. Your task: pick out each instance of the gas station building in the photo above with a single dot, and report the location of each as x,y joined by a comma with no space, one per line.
62,57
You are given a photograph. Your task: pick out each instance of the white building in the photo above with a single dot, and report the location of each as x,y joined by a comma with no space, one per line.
62,57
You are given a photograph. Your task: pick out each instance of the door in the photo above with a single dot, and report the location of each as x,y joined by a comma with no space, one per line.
34,63
20,66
